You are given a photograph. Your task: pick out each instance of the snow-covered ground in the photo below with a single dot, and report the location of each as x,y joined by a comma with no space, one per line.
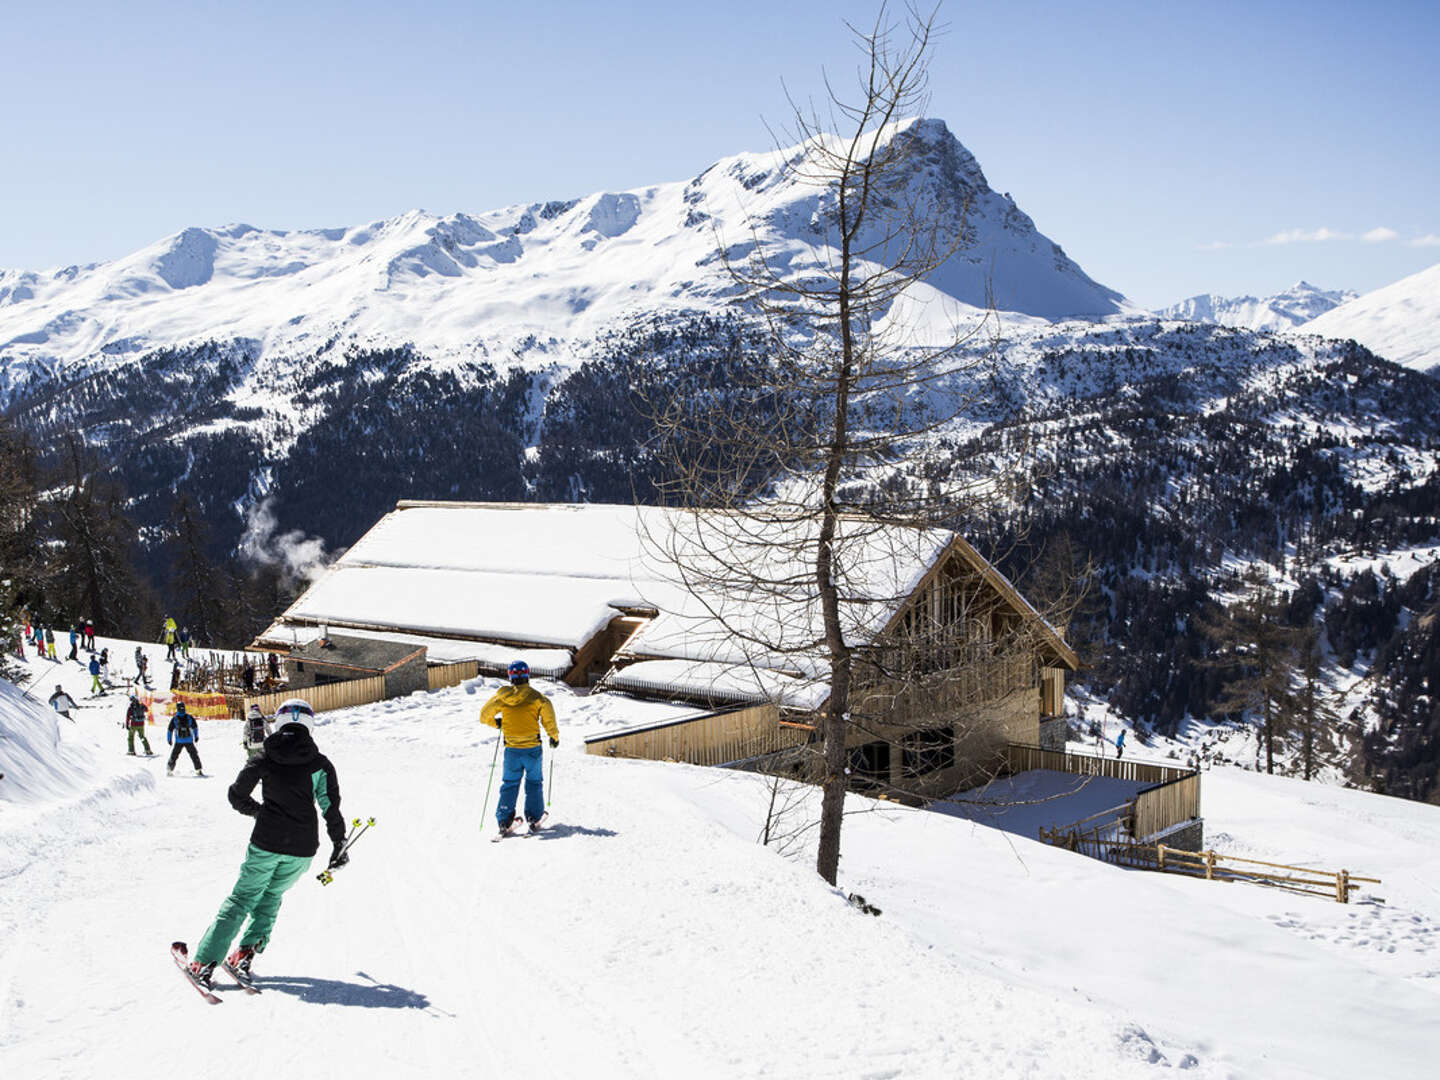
649,935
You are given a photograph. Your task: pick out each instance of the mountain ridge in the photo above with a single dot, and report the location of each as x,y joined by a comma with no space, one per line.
466,286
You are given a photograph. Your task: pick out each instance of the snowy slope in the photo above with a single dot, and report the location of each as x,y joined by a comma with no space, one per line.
648,935
526,280
1284,311
1400,322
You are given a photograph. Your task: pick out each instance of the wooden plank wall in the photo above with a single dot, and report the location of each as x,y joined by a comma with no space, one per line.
443,675
340,695
1166,805
711,739
1023,758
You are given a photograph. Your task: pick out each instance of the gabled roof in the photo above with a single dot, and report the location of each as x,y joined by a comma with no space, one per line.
556,575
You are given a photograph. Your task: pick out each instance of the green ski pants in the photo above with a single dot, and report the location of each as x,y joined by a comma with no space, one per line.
264,877
140,731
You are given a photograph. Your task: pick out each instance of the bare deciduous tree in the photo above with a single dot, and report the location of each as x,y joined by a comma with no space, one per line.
844,448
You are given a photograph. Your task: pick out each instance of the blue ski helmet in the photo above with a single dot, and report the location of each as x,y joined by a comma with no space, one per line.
519,671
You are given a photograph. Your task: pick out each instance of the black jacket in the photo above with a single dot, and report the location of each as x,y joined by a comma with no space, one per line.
294,777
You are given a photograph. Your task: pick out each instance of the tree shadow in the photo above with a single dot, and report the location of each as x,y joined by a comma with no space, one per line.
555,832
372,994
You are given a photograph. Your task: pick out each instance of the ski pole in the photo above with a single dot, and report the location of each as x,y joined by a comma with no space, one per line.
550,787
499,737
356,831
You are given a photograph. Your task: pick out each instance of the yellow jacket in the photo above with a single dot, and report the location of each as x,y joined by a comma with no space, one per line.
521,709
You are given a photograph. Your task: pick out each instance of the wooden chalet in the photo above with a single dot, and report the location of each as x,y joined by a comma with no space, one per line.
952,662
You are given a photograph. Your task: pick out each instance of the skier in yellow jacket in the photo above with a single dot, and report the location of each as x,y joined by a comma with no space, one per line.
518,710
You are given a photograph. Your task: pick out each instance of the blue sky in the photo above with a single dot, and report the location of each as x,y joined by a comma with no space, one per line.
1170,148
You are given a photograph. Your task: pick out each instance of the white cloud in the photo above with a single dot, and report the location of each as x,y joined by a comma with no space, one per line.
1304,236
1380,235
1215,245
1428,240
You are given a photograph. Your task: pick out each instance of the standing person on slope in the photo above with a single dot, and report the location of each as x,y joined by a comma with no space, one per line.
183,732
518,710
294,777
256,731
135,724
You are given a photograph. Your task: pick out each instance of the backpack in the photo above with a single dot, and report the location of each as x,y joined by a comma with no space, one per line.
182,725
255,730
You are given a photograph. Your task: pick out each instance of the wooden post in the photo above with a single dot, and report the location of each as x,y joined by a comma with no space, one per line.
1160,852
1210,866
1342,886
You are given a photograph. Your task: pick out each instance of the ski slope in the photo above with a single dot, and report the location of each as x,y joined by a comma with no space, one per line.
649,935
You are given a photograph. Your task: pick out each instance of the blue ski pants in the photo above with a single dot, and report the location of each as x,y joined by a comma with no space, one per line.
264,877
519,763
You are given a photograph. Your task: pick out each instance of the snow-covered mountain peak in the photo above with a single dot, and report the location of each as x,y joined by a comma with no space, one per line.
466,285
1284,311
1400,321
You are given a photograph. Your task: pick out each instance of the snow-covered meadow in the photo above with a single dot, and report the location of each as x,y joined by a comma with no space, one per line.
649,934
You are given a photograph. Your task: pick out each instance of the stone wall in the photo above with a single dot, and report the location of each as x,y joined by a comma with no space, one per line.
1053,733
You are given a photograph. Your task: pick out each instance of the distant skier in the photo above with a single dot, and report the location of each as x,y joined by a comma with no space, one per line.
105,666
135,724
142,669
62,702
272,665
518,710
50,645
257,730
294,777
87,634
168,636
183,732
1120,746
96,686
184,640
74,643
247,676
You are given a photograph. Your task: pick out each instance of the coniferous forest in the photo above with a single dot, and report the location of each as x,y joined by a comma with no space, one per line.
1159,467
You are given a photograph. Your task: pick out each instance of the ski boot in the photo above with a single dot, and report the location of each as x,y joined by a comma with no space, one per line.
204,974
239,960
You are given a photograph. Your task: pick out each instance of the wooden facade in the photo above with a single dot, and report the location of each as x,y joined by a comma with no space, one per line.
339,695
727,737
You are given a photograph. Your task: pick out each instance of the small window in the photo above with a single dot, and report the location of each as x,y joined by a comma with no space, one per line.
928,751
870,763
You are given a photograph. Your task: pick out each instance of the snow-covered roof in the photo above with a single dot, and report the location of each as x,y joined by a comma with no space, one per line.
555,575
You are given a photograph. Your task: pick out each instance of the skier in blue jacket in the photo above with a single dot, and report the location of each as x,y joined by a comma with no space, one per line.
1120,745
183,731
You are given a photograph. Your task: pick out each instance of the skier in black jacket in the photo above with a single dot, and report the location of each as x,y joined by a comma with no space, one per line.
294,778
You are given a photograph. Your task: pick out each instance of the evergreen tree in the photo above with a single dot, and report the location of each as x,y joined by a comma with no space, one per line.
1255,649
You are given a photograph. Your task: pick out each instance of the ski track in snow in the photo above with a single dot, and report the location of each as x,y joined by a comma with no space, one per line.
647,935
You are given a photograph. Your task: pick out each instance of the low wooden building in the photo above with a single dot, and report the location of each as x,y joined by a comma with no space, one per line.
950,661
334,658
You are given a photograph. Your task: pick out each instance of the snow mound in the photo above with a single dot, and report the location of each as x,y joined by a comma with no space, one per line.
41,761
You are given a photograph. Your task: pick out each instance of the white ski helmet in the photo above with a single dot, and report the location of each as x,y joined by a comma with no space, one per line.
294,711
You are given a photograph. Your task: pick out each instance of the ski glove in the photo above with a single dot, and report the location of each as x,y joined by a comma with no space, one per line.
554,743
339,857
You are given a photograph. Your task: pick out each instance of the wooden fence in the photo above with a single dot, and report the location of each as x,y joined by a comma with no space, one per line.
1020,758
717,738
1101,841
339,695
1173,796
443,675
1165,805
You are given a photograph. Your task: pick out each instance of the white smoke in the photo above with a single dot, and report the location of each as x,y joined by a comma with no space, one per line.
300,558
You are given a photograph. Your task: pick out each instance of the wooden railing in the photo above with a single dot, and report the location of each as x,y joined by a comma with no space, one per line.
717,738
1107,845
1173,796
1165,805
444,675
340,695
1020,758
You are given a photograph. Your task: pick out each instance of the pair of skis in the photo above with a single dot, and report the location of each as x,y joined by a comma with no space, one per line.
180,953
514,828
357,830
